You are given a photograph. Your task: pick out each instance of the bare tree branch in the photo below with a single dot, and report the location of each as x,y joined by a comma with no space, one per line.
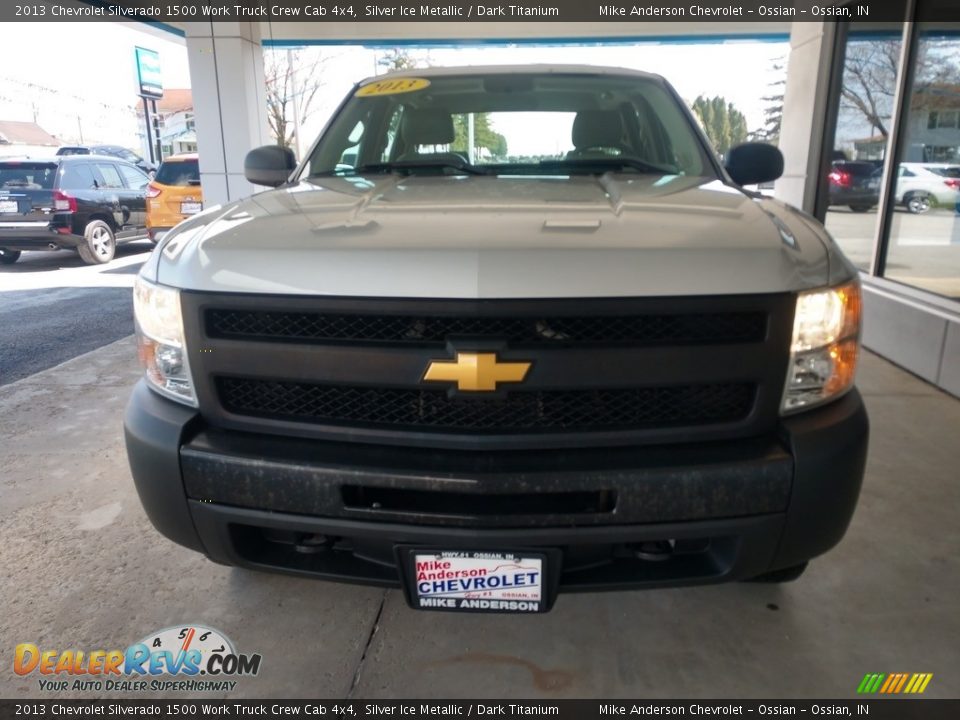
306,67
870,76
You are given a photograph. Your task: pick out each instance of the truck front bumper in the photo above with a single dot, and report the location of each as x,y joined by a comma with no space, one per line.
610,518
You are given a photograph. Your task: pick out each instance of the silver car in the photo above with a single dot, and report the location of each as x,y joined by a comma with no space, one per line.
921,186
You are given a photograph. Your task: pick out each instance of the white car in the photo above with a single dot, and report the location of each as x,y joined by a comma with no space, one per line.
921,186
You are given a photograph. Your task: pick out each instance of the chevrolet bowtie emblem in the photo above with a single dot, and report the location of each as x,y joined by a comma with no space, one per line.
476,372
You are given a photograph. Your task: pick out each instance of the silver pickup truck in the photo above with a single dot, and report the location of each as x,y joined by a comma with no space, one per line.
504,332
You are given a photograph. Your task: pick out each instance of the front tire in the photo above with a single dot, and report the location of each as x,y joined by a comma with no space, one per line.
9,257
861,208
99,243
918,203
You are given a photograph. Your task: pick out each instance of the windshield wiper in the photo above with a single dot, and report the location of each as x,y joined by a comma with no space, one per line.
606,163
413,165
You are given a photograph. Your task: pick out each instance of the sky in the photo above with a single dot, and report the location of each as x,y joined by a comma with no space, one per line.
89,85
83,82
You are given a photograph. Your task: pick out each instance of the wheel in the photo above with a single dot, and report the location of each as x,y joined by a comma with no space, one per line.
787,574
99,244
861,208
8,257
918,203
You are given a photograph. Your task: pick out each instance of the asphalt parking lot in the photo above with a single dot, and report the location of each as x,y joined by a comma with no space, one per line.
83,568
54,307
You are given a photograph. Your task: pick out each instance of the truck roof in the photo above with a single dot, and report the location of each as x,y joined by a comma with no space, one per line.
543,69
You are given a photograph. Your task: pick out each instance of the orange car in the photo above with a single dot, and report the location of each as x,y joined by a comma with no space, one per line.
174,194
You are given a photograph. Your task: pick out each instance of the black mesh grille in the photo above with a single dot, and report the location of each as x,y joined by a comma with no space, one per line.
565,410
687,328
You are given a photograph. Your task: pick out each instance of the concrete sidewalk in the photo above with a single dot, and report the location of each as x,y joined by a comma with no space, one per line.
84,569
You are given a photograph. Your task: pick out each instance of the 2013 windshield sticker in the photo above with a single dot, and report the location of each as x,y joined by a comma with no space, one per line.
479,581
392,87
172,659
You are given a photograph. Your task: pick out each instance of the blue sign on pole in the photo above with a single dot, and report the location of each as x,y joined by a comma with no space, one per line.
148,73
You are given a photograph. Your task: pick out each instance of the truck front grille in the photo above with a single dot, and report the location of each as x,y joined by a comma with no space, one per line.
602,371
652,329
544,411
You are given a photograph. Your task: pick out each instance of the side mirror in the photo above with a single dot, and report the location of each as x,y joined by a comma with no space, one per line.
269,165
753,163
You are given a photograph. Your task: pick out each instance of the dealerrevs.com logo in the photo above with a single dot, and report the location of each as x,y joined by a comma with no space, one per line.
187,658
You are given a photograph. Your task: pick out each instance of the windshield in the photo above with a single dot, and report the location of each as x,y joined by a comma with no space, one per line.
950,172
129,156
27,175
178,172
515,123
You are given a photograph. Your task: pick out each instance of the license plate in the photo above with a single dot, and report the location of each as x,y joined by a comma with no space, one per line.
190,208
473,581
9,206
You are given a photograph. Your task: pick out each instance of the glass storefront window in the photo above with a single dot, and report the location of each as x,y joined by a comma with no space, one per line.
924,245
864,119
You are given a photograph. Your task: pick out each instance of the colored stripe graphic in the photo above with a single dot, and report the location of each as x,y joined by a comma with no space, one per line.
894,683
918,683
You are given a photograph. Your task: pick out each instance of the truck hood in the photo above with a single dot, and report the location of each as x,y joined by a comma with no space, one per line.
615,235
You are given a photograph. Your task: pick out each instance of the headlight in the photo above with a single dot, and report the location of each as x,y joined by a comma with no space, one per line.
826,343
160,342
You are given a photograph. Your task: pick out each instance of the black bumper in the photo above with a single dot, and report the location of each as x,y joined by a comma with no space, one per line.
342,511
38,236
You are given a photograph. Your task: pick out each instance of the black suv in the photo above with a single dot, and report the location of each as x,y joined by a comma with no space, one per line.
855,184
84,202
117,151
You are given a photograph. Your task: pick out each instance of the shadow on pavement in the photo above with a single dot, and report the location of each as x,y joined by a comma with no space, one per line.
33,261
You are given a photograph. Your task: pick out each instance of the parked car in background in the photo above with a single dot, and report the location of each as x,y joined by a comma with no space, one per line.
921,186
111,150
855,184
174,194
73,150
87,203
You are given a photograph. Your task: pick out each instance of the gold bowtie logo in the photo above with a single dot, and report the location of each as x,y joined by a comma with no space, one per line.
476,372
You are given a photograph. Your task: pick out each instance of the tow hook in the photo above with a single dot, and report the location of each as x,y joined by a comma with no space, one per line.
654,550
310,544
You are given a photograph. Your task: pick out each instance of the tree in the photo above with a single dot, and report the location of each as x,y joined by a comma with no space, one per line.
869,81
484,136
773,112
283,68
724,124
870,76
397,59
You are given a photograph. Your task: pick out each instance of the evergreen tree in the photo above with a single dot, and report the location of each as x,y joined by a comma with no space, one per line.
724,125
484,136
773,112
